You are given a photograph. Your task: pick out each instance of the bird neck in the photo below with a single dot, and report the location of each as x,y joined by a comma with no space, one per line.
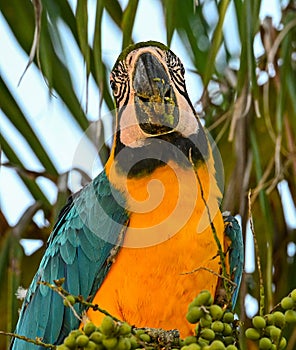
167,186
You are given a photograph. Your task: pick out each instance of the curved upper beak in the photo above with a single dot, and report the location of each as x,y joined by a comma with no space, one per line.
155,100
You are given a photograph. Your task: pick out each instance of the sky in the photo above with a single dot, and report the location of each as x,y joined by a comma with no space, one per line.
50,119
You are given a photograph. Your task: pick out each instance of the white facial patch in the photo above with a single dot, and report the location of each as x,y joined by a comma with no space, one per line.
131,134
188,124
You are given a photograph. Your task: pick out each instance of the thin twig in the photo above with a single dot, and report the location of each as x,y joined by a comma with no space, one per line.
211,271
275,307
220,251
276,44
36,341
35,46
63,293
258,261
222,119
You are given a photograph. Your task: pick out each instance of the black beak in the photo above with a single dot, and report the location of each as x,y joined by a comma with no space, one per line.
155,100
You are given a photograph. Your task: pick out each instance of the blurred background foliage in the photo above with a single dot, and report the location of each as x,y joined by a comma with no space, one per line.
248,104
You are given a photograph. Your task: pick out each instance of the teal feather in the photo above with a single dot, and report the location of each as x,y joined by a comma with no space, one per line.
72,237
236,253
73,278
68,253
52,317
87,229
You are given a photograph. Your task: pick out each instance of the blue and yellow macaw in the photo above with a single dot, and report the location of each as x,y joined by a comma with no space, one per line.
128,239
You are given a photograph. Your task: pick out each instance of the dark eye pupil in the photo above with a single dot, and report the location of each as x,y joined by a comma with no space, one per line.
113,85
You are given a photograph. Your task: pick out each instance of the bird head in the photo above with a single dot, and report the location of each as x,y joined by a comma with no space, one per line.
152,105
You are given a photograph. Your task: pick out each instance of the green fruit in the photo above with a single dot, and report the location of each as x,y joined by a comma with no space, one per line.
217,345
287,303
228,317
227,329
82,340
269,329
70,341
265,343
125,329
208,334
205,321
108,325
279,319
283,343
190,340
203,298
123,344
258,322
194,314
269,319
134,342
139,332
290,316
229,340
91,346
110,343
231,347
202,342
216,312
197,329
62,347
76,332
97,337
145,337
293,295
69,299
252,333
217,326
191,305
193,346
88,328
275,333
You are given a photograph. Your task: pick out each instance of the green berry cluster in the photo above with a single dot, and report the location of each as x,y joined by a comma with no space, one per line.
109,335
268,329
215,329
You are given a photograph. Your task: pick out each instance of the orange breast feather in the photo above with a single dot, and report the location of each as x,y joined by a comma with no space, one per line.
168,236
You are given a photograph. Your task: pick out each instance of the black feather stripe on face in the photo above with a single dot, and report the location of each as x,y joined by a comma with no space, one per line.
158,151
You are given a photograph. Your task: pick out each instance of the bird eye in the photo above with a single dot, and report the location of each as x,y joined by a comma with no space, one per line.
113,85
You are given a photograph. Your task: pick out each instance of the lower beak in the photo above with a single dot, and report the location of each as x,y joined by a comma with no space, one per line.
155,100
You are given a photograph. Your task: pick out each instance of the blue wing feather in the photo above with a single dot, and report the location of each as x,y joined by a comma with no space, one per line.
87,229
236,253
68,253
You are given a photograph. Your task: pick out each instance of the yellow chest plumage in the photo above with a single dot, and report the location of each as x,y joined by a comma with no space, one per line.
168,236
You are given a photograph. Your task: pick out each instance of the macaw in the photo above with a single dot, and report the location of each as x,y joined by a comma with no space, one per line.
141,239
